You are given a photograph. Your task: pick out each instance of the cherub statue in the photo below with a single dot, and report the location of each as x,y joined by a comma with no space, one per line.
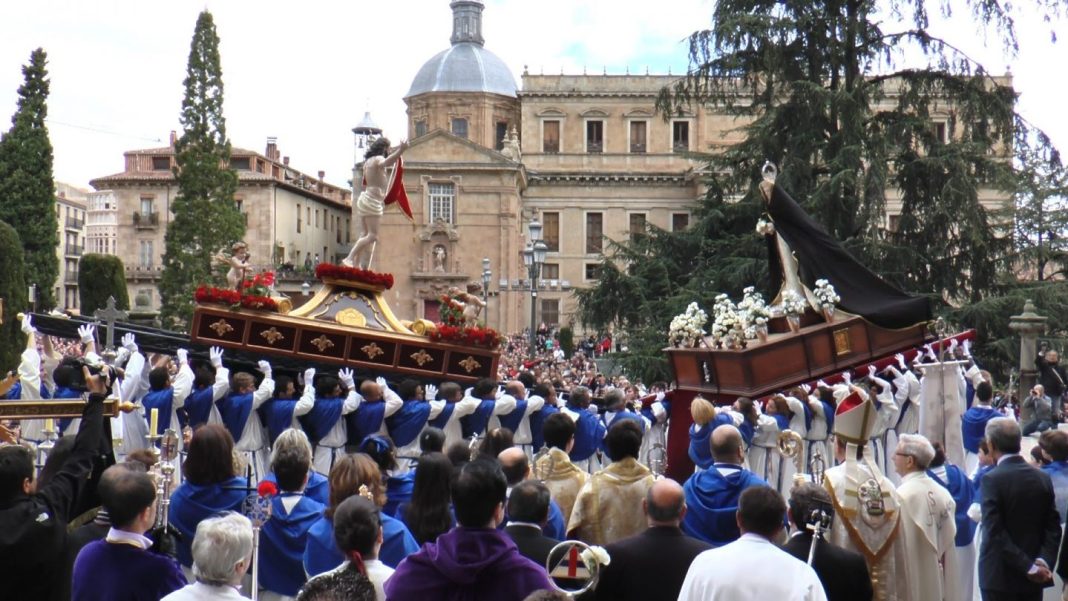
471,302
238,260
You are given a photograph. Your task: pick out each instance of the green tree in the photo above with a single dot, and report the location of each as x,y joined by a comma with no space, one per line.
14,292
206,218
827,92
100,277
27,191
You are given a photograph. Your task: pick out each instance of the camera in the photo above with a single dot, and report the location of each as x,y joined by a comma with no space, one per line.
69,374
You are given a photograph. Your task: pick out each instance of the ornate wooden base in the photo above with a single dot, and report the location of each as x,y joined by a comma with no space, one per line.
345,323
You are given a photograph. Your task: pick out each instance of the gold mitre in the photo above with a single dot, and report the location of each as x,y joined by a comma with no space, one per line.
855,416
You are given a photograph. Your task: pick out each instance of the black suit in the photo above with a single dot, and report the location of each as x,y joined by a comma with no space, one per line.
843,573
650,565
532,544
1020,525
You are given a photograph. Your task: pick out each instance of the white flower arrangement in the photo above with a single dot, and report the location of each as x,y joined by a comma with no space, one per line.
754,312
688,328
594,555
793,303
764,227
826,294
728,328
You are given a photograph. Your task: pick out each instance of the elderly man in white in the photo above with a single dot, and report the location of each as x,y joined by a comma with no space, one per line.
753,567
927,523
222,554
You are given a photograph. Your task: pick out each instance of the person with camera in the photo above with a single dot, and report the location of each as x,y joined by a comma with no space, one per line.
843,573
1052,376
1039,407
33,523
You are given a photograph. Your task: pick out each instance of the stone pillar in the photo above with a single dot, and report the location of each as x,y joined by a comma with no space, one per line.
1028,325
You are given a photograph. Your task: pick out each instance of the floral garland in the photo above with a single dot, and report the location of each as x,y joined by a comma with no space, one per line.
234,299
481,336
826,294
259,285
688,328
354,274
450,311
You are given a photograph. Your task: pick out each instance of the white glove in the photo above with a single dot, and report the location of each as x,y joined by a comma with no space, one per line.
930,352
901,361
122,355
967,346
309,376
86,333
129,342
215,353
660,396
183,356
383,384
953,344
431,392
821,384
847,377
264,367
345,375
806,388
27,325
871,371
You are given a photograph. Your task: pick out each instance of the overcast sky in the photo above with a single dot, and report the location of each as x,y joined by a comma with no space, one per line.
306,72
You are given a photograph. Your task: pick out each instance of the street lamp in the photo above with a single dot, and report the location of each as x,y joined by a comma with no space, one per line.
486,276
534,258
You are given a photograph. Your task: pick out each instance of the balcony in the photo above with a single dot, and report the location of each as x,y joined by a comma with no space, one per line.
146,221
75,224
71,277
73,250
143,272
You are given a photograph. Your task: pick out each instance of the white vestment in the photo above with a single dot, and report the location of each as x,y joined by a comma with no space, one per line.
928,527
751,567
941,408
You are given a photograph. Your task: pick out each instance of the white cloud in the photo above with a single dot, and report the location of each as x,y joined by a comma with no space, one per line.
306,72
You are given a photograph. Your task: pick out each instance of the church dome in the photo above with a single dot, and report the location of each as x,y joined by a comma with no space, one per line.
467,66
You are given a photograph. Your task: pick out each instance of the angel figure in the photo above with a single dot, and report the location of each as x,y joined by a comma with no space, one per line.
238,260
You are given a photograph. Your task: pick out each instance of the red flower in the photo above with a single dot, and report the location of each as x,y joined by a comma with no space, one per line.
267,489
354,274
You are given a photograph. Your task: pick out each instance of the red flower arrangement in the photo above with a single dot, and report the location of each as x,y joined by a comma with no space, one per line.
233,298
450,311
354,274
482,336
267,489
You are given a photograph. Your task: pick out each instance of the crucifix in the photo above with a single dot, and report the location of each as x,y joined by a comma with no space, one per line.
110,314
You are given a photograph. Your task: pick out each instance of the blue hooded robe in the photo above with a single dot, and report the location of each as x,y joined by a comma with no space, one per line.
398,490
537,425
973,426
277,416
234,410
318,422
960,487
365,421
317,489
192,503
198,406
283,539
406,424
475,424
589,432
712,501
163,400
322,555
701,442
515,418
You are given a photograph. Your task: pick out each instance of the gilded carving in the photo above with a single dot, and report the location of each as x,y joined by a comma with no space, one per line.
372,350
322,343
422,357
272,335
222,327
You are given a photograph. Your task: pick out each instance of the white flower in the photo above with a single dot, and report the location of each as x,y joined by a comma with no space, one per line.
793,303
595,555
825,293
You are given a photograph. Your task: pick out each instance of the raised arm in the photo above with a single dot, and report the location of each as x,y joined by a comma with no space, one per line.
183,381
30,363
392,158
353,398
222,374
266,389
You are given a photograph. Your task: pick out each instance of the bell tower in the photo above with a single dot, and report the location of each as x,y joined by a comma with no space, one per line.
467,22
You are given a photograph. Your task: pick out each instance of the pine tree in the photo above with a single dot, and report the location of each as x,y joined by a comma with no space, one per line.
101,277
27,191
13,290
823,91
206,218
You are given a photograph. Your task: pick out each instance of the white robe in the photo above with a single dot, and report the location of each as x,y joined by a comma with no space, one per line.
751,567
928,526
941,408
763,456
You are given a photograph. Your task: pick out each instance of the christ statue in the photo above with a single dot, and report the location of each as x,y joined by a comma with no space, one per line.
370,205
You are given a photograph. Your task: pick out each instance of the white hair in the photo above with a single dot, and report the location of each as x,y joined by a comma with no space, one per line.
292,441
219,545
918,447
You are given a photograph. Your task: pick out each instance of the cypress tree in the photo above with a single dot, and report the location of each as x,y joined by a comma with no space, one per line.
100,277
13,289
27,191
206,218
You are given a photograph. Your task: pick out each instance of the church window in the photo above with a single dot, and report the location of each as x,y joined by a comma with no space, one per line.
550,137
502,133
459,127
637,225
680,221
420,128
441,201
680,136
595,136
551,230
550,311
594,233
637,136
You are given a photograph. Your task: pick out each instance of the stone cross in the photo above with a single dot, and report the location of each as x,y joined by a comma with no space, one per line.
110,314
1029,325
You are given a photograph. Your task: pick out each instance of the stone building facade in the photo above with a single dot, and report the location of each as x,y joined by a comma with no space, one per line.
70,213
293,219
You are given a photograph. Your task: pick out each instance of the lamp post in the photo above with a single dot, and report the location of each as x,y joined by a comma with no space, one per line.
534,258
486,275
